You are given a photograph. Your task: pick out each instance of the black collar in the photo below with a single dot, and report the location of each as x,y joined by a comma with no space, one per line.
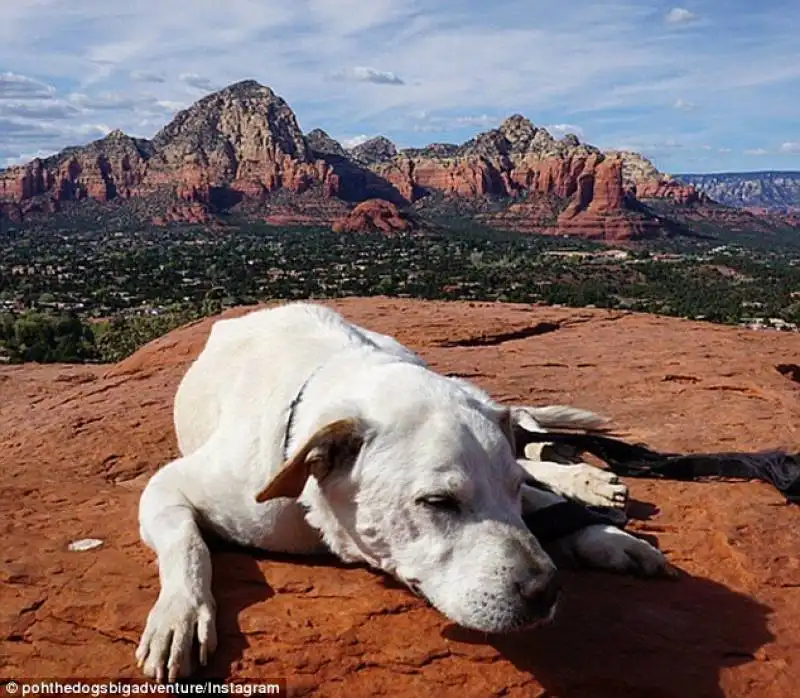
287,433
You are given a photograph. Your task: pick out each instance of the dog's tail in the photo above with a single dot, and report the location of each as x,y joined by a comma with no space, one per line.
564,417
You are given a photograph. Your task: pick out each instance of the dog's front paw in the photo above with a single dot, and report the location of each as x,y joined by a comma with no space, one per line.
607,547
582,482
595,487
166,643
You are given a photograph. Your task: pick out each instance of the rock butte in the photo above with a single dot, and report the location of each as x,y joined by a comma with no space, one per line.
374,215
77,444
242,145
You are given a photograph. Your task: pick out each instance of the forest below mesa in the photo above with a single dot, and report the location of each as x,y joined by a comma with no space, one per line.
98,296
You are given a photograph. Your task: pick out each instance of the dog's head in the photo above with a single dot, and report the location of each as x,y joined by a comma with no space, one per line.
429,491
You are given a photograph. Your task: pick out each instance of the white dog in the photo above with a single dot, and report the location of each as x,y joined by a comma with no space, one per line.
300,432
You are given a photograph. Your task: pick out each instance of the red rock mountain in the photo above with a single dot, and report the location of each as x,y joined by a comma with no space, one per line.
241,142
242,146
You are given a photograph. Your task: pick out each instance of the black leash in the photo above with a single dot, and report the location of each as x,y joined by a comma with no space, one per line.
561,519
780,469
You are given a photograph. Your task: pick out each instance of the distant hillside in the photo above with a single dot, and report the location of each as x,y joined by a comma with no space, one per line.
775,191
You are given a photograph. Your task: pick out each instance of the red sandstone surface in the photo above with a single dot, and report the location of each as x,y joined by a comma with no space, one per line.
666,189
78,443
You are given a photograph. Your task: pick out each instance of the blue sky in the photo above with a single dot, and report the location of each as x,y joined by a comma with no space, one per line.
701,86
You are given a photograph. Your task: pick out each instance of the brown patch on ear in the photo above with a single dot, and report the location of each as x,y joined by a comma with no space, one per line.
289,482
315,458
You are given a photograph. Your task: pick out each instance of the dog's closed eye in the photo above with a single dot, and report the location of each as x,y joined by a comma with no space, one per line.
440,502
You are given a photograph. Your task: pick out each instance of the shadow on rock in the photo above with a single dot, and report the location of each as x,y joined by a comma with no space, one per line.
238,583
641,511
619,637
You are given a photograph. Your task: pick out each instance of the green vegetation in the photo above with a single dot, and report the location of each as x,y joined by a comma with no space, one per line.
41,337
95,295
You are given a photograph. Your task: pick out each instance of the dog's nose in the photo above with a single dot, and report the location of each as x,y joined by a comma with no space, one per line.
541,591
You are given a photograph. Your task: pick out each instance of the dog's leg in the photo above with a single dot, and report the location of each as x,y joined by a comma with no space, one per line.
185,604
565,475
610,548
601,546
582,482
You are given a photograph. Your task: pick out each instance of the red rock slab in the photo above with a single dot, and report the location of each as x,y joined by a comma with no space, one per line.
79,442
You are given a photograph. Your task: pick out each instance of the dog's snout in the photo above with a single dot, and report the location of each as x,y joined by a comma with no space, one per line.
541,590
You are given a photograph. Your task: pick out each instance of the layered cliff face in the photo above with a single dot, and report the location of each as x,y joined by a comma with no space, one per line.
596,206
112,167
243,144
561,186
244,138
642,180
517,157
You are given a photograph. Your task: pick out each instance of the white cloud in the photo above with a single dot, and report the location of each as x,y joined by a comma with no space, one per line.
679,15
23,158
147,76
94,130
14,129
353,141
364,74
13,86
423,121
198,82
560,130
655,147
37,109
683,105
172,106
49,136
113,101
756,152
484,121
790,148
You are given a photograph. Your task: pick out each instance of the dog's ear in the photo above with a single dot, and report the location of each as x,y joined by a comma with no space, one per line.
332,445
505,419
522,419
522,425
